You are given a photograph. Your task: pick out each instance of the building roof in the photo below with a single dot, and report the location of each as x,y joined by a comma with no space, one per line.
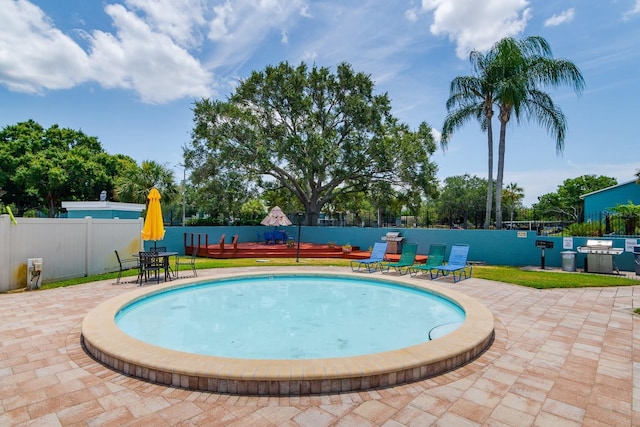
103,205
608,188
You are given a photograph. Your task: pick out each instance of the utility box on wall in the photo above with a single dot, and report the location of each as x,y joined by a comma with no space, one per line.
34,273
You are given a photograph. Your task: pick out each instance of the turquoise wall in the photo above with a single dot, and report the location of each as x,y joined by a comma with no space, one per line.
606,199
103,214
493,247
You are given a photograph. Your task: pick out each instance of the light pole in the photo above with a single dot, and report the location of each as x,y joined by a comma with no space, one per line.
184,196
299,215
184,193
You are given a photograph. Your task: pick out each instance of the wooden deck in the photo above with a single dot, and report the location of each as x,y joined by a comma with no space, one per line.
222,250
278,250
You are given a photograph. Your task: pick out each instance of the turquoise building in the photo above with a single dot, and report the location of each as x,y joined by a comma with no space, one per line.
608,198
103,210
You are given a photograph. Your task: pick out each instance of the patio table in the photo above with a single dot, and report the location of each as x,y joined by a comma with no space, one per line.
166,265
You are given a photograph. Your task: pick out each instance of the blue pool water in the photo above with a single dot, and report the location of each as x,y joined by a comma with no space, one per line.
288,317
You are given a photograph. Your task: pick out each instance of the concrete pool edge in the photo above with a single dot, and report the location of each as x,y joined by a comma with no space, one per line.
105,342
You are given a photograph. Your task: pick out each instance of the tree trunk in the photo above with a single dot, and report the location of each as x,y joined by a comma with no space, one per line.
313,211
499,179
489,206
52,205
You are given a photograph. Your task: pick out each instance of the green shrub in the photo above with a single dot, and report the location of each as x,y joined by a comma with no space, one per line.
197,222
588,229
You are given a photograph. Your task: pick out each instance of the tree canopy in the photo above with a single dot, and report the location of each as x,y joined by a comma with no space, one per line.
566,202
135,182
462,200
316,134
40,167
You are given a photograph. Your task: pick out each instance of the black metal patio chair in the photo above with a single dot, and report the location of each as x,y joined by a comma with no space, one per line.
125,264
190,261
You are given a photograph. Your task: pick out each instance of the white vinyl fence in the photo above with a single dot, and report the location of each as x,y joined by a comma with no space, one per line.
68,247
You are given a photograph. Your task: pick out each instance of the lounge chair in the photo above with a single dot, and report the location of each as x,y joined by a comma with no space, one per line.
407,258
434,259
457,264
373,262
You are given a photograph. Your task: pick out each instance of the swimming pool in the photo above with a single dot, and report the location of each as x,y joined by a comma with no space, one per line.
106,342
289,317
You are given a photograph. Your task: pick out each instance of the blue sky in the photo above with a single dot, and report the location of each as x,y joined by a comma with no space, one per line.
129,71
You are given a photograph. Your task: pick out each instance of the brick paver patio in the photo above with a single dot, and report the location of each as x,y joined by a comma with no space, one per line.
561,357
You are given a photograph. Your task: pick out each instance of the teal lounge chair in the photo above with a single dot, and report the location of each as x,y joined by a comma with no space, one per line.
434,259
407,258
373,262
456,266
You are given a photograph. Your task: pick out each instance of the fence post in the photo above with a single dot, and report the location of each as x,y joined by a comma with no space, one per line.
5,258
87,244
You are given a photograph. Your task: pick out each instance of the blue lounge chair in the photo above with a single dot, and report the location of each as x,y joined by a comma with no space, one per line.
434,259
407,258
456,266
374,260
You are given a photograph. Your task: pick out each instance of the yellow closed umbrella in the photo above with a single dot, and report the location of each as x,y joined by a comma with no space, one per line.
153,225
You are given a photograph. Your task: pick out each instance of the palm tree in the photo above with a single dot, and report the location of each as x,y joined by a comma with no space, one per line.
134,184
513,195
472,97
509,76
523,67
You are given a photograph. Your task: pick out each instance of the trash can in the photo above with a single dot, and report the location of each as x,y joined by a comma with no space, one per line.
636,255
568,260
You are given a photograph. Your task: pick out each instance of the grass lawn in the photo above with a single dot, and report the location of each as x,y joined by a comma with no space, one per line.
549,279
514,275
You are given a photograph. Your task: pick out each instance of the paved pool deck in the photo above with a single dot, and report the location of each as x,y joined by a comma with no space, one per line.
561,357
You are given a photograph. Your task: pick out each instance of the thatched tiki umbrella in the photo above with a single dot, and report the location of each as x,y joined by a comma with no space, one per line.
276,218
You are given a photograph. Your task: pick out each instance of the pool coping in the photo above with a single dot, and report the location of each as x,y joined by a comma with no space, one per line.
104,340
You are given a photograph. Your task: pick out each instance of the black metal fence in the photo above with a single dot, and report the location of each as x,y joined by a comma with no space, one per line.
596,225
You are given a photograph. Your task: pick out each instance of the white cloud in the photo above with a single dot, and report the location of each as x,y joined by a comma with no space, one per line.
412,15
633,11
563,18
147,58
146,61
218,26
437,135
477,25
34,55
304,12
239,27
309,56
178,19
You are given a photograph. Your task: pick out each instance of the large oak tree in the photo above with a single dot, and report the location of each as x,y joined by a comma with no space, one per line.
310,131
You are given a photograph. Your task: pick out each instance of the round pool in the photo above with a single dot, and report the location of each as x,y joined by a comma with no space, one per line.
260,362
289,317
